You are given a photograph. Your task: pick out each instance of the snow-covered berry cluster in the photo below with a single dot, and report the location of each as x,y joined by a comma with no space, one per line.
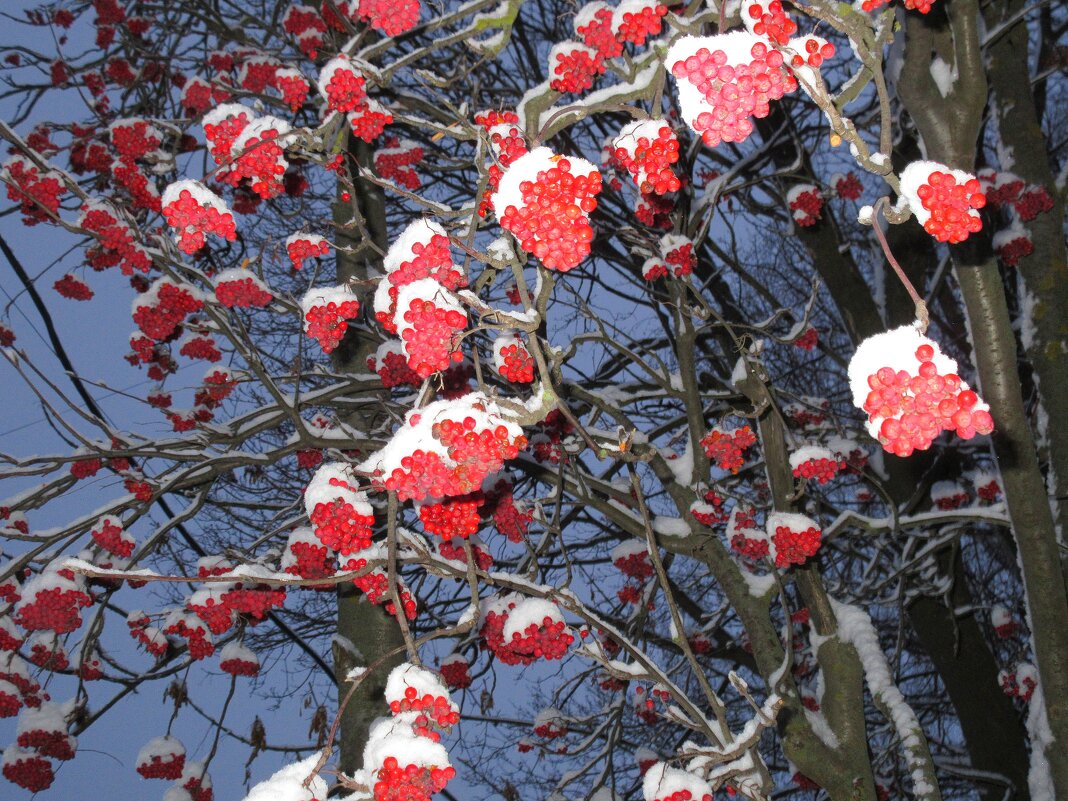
948,495
573,66
327,311
37,193
307,557
519,631
237,288
726,447
342,85
339,510
369,121
767,18
415,689
665,783
109,534
631,558
456,671
73,288
817,463
302,247
1012,244
794,538
745,538
115,240
677,251
512,360
391,17
52,601
391,365
544,200
451,549
593,25
806,203
912,393
710,510
161,758
458,516
726,80
1003,621
647,149
1020,682
635,20
507,145
396,162
193,210
944,201
447,448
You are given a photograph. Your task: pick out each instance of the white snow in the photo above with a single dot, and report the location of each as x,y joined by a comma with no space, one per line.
526,168
915,175
288,784
662,781
395,737
671,526
809,453
943,75
419,232
166,748
527,612
422,680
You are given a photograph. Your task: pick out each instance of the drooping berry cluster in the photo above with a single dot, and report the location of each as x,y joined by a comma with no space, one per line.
508,145
726,447
631,558
37,193
647,149
912,393
292,85
26,768
134,138
948,495
429,322
816,462
456,671
52,601
241,289
512,360
593,24
193,210
710,510
636,20
341,85
545,200
391,17
238,660
115,240
794,538
454,550
161,758
109,534
369,121
302,247
458,516
396,161
1005,625
1020,682
307,557
806,204
1012,244
339,511
677,251
327,311
392,367
725,80
415,689
745,538
573,67
511,519
189,627
519,631
770,20
943,200
258,157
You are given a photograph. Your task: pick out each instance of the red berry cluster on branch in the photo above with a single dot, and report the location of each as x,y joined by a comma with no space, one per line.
241,289
37,193
302,247
193,210
340,513
573,67
770,20
458,516
943,200
327,311
647,149
726,447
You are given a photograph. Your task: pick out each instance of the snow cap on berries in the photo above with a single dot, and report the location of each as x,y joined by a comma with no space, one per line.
662,782
943,200
288,784
161,758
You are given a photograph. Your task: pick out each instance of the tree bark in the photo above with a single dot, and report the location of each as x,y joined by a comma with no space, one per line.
374,633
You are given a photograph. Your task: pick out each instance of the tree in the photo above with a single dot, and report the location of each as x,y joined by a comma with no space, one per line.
746,525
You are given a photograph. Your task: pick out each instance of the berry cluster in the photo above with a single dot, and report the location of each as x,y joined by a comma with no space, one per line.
258,157
1034,200
593,24
395,162
943,200
342,86
545,200
573,66
1005,626
517,636
414,689
133,138
109,534
200,347
631,558
37,193
193,211
410,783
948,495
194,631
306,556
653,268
508,145
912,392
725,80
677,251
816,462
550,724
794,538
1020,682
456,671
327,311
647,149
664,783
302,247
422,251
222,126
161,758
636,20
369,122
47,652
806,203
392,17
341,514
115,240
375,584
241,289
848,186
142,191
27,769
770,20
238,660
510,519
809,53
429,326
1012,244
392,367
725,447
453,517
808,339
512,359
709,511
51,601
455,551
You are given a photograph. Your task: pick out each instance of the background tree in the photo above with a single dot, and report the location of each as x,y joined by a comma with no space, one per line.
587,282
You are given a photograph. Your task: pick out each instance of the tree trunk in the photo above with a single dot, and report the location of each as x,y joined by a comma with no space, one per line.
370,630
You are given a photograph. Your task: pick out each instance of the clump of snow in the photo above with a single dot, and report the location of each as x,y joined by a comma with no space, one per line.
526,168
288,784
530,611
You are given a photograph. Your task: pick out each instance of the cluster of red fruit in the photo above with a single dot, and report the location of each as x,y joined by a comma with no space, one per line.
573,66
950,205
162,758
794,545
342,86
548,639
193,211
816,463
302,247
770,20
1020,682
392,366
636,21
395,162
133,138
456,671
326,315
908,408
545,204
806,204
429,333
710,510
646,150
110,535
375,585
115,241
923,6
37,193
513,361
368,123
735,76
343,523
458,516
241,289
1012,248
508,145
725,447
52,601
